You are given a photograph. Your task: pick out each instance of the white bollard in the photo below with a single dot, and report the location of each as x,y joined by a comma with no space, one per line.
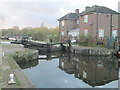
3,54
11,76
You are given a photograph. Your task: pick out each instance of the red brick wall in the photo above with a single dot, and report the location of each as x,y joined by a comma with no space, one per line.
68,25
104,22
83,25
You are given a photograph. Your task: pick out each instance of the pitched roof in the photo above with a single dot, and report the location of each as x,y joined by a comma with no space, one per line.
95,8
99,9
69,16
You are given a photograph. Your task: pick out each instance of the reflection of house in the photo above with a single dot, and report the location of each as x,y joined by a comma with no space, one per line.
94,71
97,73
66,65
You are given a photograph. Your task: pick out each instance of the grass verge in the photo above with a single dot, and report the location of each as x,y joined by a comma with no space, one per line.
13,66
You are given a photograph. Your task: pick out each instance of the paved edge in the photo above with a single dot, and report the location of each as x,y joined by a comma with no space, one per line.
20,76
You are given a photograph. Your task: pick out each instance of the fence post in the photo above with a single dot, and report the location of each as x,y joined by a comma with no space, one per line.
48,47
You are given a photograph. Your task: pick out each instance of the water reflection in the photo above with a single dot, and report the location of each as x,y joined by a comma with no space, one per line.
49,56
28,64
94,71
79,71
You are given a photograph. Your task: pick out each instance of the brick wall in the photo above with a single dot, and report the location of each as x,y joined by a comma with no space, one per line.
68,25
99,21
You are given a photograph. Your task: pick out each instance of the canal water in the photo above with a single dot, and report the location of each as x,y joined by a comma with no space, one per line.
65,70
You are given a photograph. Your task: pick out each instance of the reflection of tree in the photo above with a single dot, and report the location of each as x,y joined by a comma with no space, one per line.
93,70
29,64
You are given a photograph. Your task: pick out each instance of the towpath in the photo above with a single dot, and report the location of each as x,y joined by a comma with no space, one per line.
10,66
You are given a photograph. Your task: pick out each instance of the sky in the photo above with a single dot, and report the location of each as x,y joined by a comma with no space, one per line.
31,13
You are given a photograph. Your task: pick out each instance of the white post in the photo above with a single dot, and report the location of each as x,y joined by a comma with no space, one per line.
11,76
3,54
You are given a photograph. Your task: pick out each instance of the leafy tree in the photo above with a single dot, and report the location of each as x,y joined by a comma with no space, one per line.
11,31
41,33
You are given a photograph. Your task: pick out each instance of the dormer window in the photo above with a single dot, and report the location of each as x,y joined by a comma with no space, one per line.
62,22
86,18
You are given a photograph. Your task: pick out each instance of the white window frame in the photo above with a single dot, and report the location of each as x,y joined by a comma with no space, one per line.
101,33
114,33
78,21
86,32
73,34
86,18
63,23
62,32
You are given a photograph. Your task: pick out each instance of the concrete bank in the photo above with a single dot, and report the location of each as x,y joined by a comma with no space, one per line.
92,51
26,57
9,65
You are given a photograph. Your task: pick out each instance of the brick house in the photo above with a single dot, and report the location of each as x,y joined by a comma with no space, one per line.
69,26
99,23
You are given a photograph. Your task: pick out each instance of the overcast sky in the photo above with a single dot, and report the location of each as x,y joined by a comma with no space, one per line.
31,13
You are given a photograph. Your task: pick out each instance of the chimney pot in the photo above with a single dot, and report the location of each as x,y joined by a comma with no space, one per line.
87,7
77,11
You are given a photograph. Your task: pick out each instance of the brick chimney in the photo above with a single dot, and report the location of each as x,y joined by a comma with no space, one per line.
87,7
77,11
